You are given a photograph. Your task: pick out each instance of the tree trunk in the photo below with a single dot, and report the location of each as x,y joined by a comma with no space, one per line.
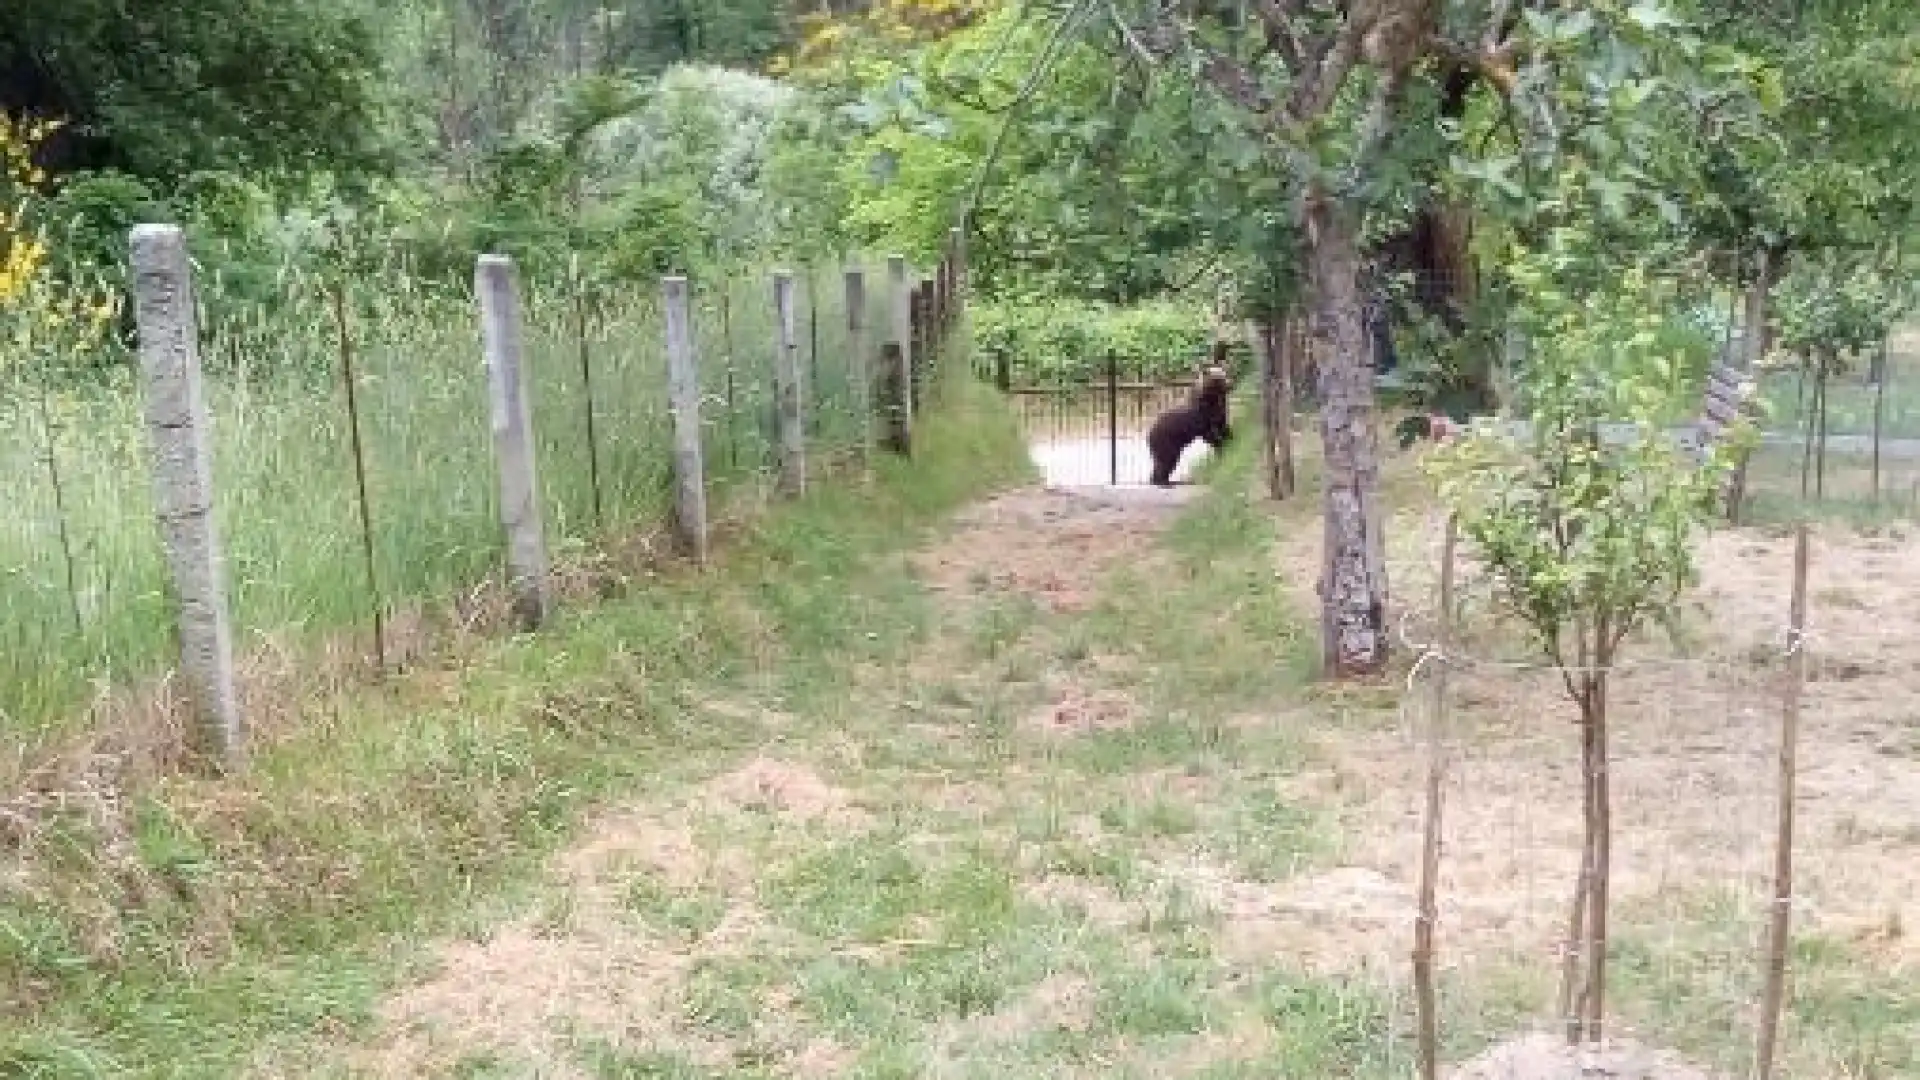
1753,342
1276,406
1353,582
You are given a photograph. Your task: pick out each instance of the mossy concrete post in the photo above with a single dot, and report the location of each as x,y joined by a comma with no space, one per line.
899,404
893,389
683,401
789,411
860,361
503,341
180,438
957,247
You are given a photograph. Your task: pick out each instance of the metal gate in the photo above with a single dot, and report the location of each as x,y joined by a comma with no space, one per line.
1089,428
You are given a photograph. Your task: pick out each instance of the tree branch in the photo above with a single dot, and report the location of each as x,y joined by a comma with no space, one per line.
1041,66
1281,19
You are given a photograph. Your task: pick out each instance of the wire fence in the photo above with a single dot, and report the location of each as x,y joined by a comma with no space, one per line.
86,604
1486,771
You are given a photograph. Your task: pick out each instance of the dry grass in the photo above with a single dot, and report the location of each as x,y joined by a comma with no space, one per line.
1696,728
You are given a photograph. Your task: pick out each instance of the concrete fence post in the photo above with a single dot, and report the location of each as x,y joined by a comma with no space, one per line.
180,439
900,334
790,415
683,401
503,340
893,388
860,361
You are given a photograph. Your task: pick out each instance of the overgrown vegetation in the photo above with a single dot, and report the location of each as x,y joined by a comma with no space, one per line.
1068,342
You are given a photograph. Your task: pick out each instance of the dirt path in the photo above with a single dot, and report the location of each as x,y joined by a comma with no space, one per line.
995,856
1092,825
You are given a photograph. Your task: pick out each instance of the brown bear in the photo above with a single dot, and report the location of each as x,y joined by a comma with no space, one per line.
1203,416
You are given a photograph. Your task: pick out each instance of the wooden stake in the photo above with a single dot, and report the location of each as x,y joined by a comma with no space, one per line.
1425,1000
1879,412
1820,455
347,377
1774,995
586,390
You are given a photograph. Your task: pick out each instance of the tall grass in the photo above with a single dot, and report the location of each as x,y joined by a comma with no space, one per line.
284,475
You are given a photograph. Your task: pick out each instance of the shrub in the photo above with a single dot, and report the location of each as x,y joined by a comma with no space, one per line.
1067,341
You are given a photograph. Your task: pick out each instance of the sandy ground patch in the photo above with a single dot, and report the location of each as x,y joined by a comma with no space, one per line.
1048,544
1694,755
1546,1057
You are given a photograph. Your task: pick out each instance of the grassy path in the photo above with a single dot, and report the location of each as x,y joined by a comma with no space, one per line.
927,781
1007,847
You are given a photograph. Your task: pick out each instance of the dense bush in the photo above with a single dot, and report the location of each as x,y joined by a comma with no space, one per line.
1055,340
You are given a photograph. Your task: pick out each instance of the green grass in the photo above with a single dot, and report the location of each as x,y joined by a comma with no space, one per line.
271,906
284,480
1846,1014
1847,494
945,888
1850,397
272,919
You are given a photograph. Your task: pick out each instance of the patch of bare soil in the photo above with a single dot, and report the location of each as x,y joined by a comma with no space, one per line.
1545,1057
1694,745
1072,709
1051,544
792,791
593,966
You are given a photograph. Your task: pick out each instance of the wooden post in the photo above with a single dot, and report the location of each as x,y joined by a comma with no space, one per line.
1774,993
957,244
1426,1004
1286,352
900,334
893,390
1113,418
586,390
498,291
1827,363
940,298
1003,372
1879,412
860,361
928,354
683,402
1265,378
916,345
789,416
180,438
1276,420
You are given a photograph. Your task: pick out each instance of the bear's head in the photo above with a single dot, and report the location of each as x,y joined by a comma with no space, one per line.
1214,384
